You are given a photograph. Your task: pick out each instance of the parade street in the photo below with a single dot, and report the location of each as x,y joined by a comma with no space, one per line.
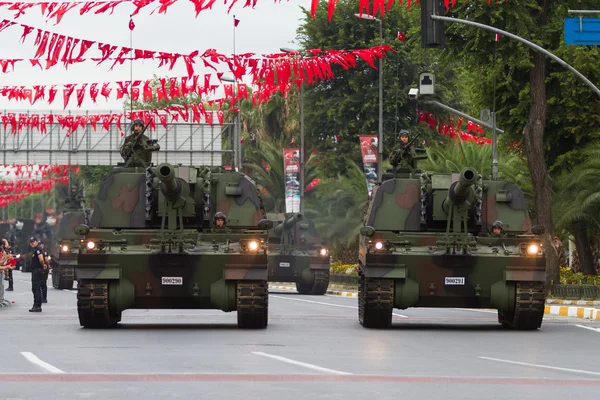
314,347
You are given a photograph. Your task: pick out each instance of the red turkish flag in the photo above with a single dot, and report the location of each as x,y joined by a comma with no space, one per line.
52,94
81,94
135,93
94,91
131,25
242,91
401,36
220,117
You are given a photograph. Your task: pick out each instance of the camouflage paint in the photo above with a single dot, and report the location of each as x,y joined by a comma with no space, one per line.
155,247
295,253
435,263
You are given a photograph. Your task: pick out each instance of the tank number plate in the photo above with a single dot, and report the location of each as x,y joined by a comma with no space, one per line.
172,281
452,280
284,264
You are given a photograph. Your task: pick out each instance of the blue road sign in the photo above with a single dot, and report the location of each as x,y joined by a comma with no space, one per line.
582,31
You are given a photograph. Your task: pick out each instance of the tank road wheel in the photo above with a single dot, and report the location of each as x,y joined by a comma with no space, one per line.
93,306
375,302
318,287
63,277
252,300
529,307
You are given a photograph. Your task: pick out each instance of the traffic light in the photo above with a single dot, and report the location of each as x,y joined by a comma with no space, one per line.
432,31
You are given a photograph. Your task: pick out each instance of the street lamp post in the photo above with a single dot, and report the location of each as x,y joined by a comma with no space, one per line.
288,50
237,153
380,140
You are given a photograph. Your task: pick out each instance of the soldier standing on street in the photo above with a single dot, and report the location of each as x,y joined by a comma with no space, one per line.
6,245
37,274
44,287
131,144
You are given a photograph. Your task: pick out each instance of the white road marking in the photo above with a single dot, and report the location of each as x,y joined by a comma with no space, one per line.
589,327
33,359
327,304
579,371
301,364
477,310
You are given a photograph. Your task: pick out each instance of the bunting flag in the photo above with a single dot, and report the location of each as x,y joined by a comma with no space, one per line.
368,149
57,10
452,130
49,47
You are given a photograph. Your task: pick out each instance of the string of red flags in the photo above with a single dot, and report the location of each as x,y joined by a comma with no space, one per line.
39,170
56,10
451,127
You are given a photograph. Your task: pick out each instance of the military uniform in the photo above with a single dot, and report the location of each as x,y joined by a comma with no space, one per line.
127,150
403,154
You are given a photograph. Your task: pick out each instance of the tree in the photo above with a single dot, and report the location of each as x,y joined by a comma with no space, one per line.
528,89
340,110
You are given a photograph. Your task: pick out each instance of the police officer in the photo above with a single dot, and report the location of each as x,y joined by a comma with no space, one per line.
44,287
37,274
497,228
127,149
220,220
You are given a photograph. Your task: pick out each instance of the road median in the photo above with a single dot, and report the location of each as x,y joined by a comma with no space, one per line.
332,291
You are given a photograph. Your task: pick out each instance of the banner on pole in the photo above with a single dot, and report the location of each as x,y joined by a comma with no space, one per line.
368,149
291,169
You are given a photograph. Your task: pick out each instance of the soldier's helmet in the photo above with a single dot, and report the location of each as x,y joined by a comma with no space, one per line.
137,122
220,215
498,224
404,133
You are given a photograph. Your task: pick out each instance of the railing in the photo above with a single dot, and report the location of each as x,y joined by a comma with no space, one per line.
343,279
575,292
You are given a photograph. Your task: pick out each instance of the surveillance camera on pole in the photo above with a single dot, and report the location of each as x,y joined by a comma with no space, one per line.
413,94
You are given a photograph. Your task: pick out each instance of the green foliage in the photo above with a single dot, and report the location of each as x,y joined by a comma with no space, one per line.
338,111
340,268
573,108
338,206
568,277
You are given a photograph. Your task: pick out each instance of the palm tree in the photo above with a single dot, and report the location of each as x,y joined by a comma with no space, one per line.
266,167
577,204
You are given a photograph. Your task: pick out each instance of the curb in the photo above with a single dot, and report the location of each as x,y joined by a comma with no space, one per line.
330,292
577,312
573,302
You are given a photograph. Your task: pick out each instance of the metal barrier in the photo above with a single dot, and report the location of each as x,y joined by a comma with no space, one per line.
575,292
343,279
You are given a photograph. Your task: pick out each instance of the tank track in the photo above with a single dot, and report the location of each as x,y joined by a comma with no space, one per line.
93,305
375,302
529,307
64,277
318,287
252,299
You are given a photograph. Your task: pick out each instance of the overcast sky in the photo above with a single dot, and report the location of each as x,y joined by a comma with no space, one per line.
263,29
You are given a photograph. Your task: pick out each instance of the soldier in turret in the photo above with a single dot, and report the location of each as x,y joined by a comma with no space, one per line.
220,220
497,228
403,153
73,202
134,146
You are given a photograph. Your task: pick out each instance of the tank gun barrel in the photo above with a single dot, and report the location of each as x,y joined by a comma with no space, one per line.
461,190
288,223
169,184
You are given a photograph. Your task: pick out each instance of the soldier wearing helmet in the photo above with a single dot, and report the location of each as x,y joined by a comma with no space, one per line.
220,220
403,153
497,228
134,146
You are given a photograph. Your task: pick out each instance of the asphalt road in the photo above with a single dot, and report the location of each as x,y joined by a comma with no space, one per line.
314,348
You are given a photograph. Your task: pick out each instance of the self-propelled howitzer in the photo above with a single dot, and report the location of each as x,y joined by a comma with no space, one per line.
427,242
152,244
297,254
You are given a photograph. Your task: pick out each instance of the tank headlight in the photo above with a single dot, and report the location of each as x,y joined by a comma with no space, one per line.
64,248
379,246
91,245
253,245
323,252
533,249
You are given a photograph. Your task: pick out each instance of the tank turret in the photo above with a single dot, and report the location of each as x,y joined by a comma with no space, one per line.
461,192
288,224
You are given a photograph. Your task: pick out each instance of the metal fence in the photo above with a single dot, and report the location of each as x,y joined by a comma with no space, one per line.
187,143
575,292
